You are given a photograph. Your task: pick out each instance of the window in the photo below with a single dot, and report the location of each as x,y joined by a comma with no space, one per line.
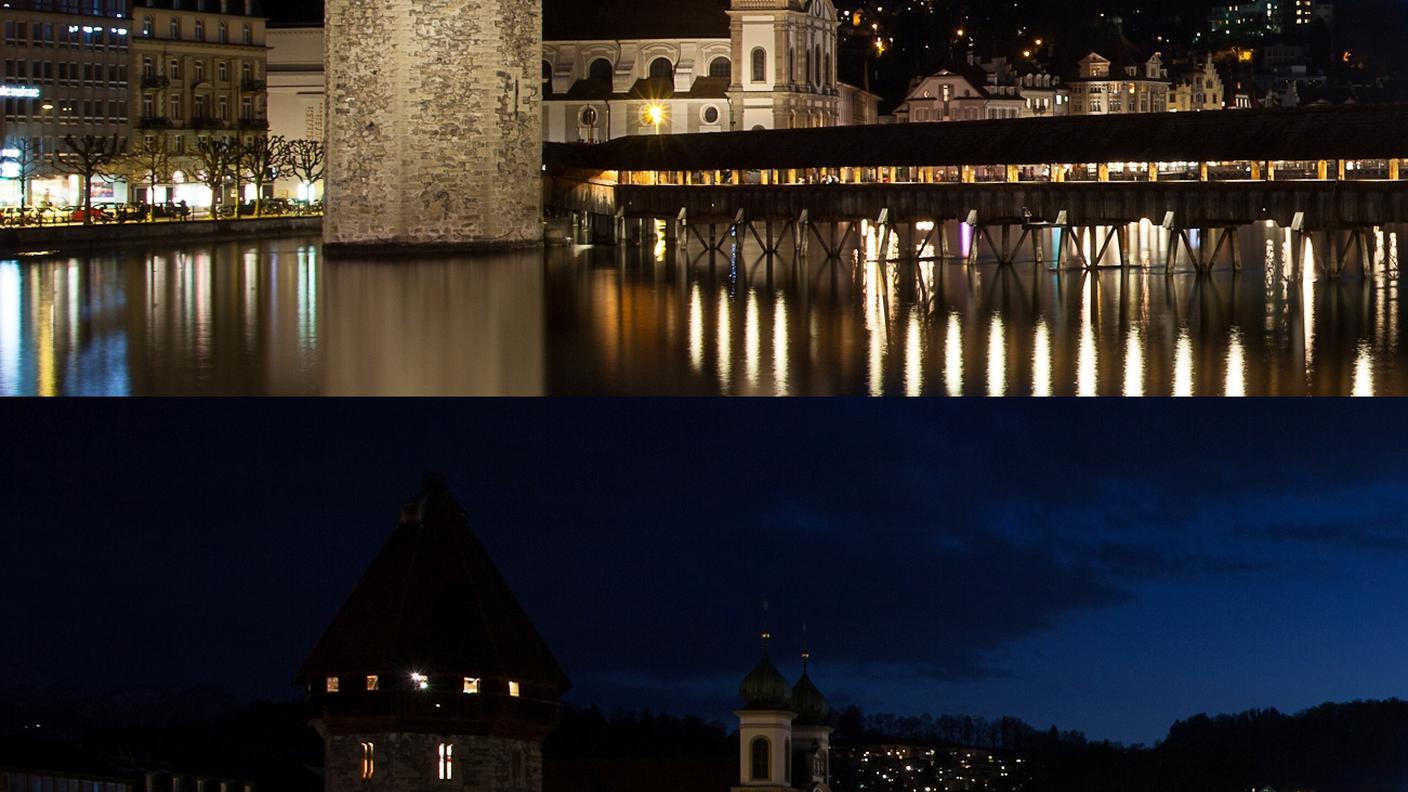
760,65
200,30
662,69
711,115
547,78
519,767
332,681
176,30
759,751
222,69
720,67
147,26
447,762
373,681
471,684
513,688
420,681
199,67
224,32
368,760
600,70
817,77
787,766
246,35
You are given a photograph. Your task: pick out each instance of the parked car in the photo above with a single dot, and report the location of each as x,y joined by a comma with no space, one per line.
95,215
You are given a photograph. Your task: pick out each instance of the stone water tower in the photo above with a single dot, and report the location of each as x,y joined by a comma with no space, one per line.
434,133
431,678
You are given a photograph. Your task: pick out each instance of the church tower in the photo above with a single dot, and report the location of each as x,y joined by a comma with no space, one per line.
765,729
811,736
784,53
431,678
434,128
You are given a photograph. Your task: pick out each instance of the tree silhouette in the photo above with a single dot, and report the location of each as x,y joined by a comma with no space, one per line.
150,160
307,160
217,163
89,157
261,159
29,162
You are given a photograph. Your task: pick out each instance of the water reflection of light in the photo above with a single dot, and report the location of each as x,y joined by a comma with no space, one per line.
965,239
1307,305
696,330
752,342
1134,363
1086,357
913,356
10,327
875,327
1363,371
724,351
997,357
1236,365
1041,360
1183,364
780,369
953,356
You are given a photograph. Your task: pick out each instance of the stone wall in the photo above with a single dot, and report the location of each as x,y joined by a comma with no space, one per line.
434,123
409,763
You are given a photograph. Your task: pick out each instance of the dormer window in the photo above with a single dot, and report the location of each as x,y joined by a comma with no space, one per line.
513,689
471,684
373,681
332,684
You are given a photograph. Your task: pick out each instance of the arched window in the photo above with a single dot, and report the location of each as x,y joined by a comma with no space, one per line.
600,69
816,61
759,750
368,760
446,763
721,67
760,65
787,766
662,69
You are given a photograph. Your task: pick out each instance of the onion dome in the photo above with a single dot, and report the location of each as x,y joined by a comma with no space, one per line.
807,701
765,688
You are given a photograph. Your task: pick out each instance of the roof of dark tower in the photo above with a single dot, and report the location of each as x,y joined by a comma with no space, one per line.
433,602
575,20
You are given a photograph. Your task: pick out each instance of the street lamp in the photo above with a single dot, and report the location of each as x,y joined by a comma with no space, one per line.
655,116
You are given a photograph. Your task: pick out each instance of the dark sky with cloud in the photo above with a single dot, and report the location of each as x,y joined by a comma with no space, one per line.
1105,566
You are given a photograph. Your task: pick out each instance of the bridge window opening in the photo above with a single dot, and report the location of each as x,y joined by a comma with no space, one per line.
368,760
513,689
600,70
373,682
332,684
760,65
471,684
721,67
662,69
447,762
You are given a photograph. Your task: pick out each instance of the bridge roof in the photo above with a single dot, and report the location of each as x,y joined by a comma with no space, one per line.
1362,132
576,20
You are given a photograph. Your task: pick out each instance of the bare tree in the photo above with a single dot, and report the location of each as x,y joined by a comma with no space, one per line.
307,160
29,162
261,159
89,157
218,161
150,161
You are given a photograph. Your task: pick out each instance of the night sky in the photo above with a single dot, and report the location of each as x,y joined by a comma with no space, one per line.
1106,567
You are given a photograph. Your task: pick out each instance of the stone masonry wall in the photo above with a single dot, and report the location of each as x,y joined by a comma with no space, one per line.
409,763
434,122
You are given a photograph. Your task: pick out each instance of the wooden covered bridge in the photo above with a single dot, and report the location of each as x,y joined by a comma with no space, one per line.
1334,171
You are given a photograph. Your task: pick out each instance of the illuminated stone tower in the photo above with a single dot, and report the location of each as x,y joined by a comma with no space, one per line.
434,132
431,678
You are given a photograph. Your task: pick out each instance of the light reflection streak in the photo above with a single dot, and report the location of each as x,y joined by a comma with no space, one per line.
1183,364
1307,305
752,343
1363,371
1041,360
953,356
724,354
1086,358
997,356
1236,365
11,324
696,330
780,369
913,356
1134,363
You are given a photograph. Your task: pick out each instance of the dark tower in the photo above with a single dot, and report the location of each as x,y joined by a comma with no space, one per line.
431,677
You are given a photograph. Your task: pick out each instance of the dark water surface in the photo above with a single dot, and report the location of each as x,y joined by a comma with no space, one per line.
273,317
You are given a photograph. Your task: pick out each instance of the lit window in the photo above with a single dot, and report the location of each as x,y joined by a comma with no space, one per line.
420,681
471,685
373,681
447,764
368,759
513,689
332,684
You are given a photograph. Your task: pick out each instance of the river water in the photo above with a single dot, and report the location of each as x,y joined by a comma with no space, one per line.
273,317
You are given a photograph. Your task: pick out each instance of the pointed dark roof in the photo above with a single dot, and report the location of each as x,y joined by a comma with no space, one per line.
433,602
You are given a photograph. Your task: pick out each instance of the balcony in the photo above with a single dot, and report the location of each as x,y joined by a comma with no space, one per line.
254,124
155,81
154,122
206,122
251,84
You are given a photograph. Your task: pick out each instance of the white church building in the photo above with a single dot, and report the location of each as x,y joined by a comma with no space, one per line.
621,67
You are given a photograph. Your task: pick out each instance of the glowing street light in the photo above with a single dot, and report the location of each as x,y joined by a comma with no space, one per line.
655,116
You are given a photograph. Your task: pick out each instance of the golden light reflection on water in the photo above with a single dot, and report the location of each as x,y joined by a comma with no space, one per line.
277,318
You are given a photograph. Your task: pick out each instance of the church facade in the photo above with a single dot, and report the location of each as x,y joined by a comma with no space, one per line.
613,69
